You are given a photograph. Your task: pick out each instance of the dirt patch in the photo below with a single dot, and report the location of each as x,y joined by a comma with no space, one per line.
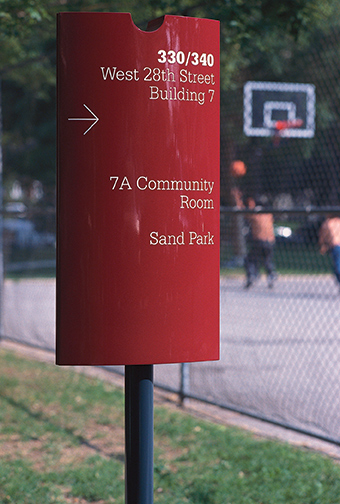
106,441
13,448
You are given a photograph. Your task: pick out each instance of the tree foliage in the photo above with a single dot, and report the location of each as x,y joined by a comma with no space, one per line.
255,36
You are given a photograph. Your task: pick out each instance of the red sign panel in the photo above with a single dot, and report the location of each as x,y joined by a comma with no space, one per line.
138,190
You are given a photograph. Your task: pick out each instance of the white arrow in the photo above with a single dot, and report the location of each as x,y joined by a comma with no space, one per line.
94,118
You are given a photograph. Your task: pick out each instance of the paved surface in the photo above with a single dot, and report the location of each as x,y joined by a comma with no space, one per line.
279,348
280,351
29,311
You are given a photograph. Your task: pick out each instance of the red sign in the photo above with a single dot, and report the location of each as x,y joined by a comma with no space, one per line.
138,190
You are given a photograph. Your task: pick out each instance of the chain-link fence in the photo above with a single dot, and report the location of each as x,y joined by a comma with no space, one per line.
280,327
280,296
29,258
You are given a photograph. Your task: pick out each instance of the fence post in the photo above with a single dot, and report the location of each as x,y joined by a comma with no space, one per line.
1,224
185,382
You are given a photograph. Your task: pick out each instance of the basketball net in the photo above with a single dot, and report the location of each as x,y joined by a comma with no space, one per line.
281,126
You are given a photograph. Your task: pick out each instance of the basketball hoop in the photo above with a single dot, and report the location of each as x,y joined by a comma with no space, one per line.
279,107
282,125
281,128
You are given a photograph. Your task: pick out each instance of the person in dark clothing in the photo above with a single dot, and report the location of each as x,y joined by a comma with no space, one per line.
262,243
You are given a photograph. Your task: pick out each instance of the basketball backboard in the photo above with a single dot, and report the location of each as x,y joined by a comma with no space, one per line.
269,105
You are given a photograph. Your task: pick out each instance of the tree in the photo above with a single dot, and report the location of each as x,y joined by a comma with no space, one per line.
27,78
280,56
250,31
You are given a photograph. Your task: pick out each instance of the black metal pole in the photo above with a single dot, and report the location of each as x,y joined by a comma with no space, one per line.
139,434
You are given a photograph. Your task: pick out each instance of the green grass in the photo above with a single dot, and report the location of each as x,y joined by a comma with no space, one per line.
18,258
62,441
301,259
289,259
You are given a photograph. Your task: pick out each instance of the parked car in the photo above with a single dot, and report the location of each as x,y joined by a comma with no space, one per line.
282,233
308,233
24,234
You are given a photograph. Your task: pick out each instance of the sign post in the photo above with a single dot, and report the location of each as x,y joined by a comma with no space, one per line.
139,434
138,204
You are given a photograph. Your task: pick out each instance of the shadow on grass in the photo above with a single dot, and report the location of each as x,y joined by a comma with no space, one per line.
55,427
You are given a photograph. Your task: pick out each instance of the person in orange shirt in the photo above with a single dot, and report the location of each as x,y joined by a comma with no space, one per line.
261,245
329,241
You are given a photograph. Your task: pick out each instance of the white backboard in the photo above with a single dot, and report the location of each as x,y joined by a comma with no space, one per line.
266,104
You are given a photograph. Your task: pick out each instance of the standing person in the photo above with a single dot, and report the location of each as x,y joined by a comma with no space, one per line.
261,245
329,241
237,170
